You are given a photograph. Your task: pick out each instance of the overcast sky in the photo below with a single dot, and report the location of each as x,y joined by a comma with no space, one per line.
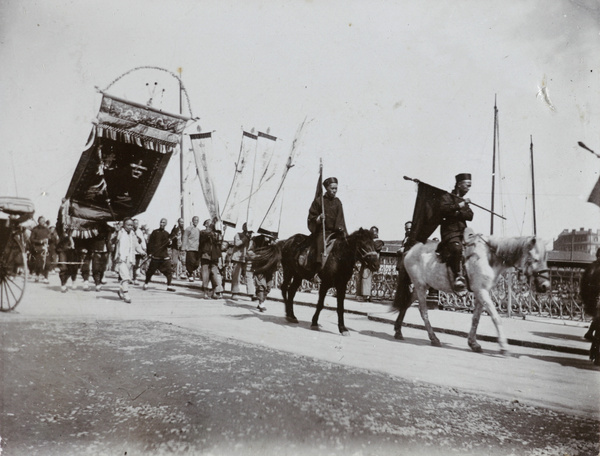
392,88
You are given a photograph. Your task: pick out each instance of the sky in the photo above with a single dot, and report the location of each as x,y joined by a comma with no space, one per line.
390,89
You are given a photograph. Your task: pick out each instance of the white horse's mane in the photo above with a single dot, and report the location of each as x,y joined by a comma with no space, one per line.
510,250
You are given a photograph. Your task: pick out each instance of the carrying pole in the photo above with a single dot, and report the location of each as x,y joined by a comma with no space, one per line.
181,167
456,196
324,256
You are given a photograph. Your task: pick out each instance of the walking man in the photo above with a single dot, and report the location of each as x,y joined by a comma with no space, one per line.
190,244
125,251
239,258
158,250
177,254
38,249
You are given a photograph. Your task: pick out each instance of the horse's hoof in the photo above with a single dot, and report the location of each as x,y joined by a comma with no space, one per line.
398,336
504,352
291,319
345,333
475,347
436,343
315,327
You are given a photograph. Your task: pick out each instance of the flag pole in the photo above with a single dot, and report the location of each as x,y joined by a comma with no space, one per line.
456,196
323,256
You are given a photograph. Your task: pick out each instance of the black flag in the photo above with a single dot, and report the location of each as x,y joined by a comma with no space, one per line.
426,215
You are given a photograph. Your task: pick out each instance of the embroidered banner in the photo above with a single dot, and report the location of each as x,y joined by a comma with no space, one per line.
236,205
202,147
271,222
118,172
267,173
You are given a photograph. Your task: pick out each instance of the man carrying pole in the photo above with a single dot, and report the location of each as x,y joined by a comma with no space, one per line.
450,210
326,215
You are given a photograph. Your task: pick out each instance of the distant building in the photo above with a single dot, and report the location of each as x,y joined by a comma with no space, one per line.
391,246
575,246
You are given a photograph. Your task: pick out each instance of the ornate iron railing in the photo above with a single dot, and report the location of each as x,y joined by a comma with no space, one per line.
512,294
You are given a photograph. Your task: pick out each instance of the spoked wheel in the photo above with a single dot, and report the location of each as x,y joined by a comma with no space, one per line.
13,274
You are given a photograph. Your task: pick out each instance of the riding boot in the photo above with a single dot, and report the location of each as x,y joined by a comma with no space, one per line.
460,284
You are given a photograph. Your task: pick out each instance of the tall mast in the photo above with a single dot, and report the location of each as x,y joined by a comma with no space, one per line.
494,164
532,184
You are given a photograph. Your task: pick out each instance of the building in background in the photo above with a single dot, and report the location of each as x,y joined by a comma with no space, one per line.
575,246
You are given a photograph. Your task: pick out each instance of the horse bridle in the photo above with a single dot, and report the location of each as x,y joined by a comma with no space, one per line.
365,255
543,273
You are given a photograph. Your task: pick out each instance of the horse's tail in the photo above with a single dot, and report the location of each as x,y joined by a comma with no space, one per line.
267,259
402,300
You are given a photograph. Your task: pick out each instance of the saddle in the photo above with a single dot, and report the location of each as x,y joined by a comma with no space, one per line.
307,257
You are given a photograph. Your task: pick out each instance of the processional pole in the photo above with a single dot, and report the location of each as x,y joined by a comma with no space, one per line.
181,167
324,255
494,165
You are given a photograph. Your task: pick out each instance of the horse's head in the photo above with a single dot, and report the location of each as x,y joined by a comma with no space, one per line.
534,265
367,249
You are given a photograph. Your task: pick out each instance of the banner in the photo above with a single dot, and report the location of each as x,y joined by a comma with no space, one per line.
236,205
595,195
272,219
202,147
426,215
267,175
118,172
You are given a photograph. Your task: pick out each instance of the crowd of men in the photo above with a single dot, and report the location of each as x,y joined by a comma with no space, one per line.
135,254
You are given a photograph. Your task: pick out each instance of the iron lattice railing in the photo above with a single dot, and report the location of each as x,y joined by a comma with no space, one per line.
512,295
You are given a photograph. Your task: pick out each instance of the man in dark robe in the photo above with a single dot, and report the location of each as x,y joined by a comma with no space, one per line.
158,249
38,250
332,212
455,212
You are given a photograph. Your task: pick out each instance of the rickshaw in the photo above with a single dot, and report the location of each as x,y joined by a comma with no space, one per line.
13,252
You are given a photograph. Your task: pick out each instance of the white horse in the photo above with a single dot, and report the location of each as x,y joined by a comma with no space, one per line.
486,257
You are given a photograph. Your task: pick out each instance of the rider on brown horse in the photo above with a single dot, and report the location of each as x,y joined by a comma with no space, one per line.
331,211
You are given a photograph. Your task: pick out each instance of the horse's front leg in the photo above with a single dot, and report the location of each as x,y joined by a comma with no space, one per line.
289,300
472,340
320,304
422,295
341,296
485,302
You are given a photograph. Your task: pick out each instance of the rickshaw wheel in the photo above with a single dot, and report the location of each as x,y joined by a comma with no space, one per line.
13,274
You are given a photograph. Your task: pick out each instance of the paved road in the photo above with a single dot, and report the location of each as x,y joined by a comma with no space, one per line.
84,373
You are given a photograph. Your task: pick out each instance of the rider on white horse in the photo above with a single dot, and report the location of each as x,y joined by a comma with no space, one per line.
455,213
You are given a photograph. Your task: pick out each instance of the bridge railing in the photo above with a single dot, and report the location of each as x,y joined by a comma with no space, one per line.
512,295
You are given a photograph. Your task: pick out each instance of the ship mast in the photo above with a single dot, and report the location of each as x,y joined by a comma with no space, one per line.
494,165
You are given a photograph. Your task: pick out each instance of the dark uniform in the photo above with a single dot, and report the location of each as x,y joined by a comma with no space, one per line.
334,217
158,249
210,253
455,213
38,250
262,281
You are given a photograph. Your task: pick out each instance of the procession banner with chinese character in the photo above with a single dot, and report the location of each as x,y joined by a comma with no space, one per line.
117,175
267,175
202,147
236,205
271,221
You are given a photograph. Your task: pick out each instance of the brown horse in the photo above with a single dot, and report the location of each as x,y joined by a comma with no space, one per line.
486,258
336,272
589,290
